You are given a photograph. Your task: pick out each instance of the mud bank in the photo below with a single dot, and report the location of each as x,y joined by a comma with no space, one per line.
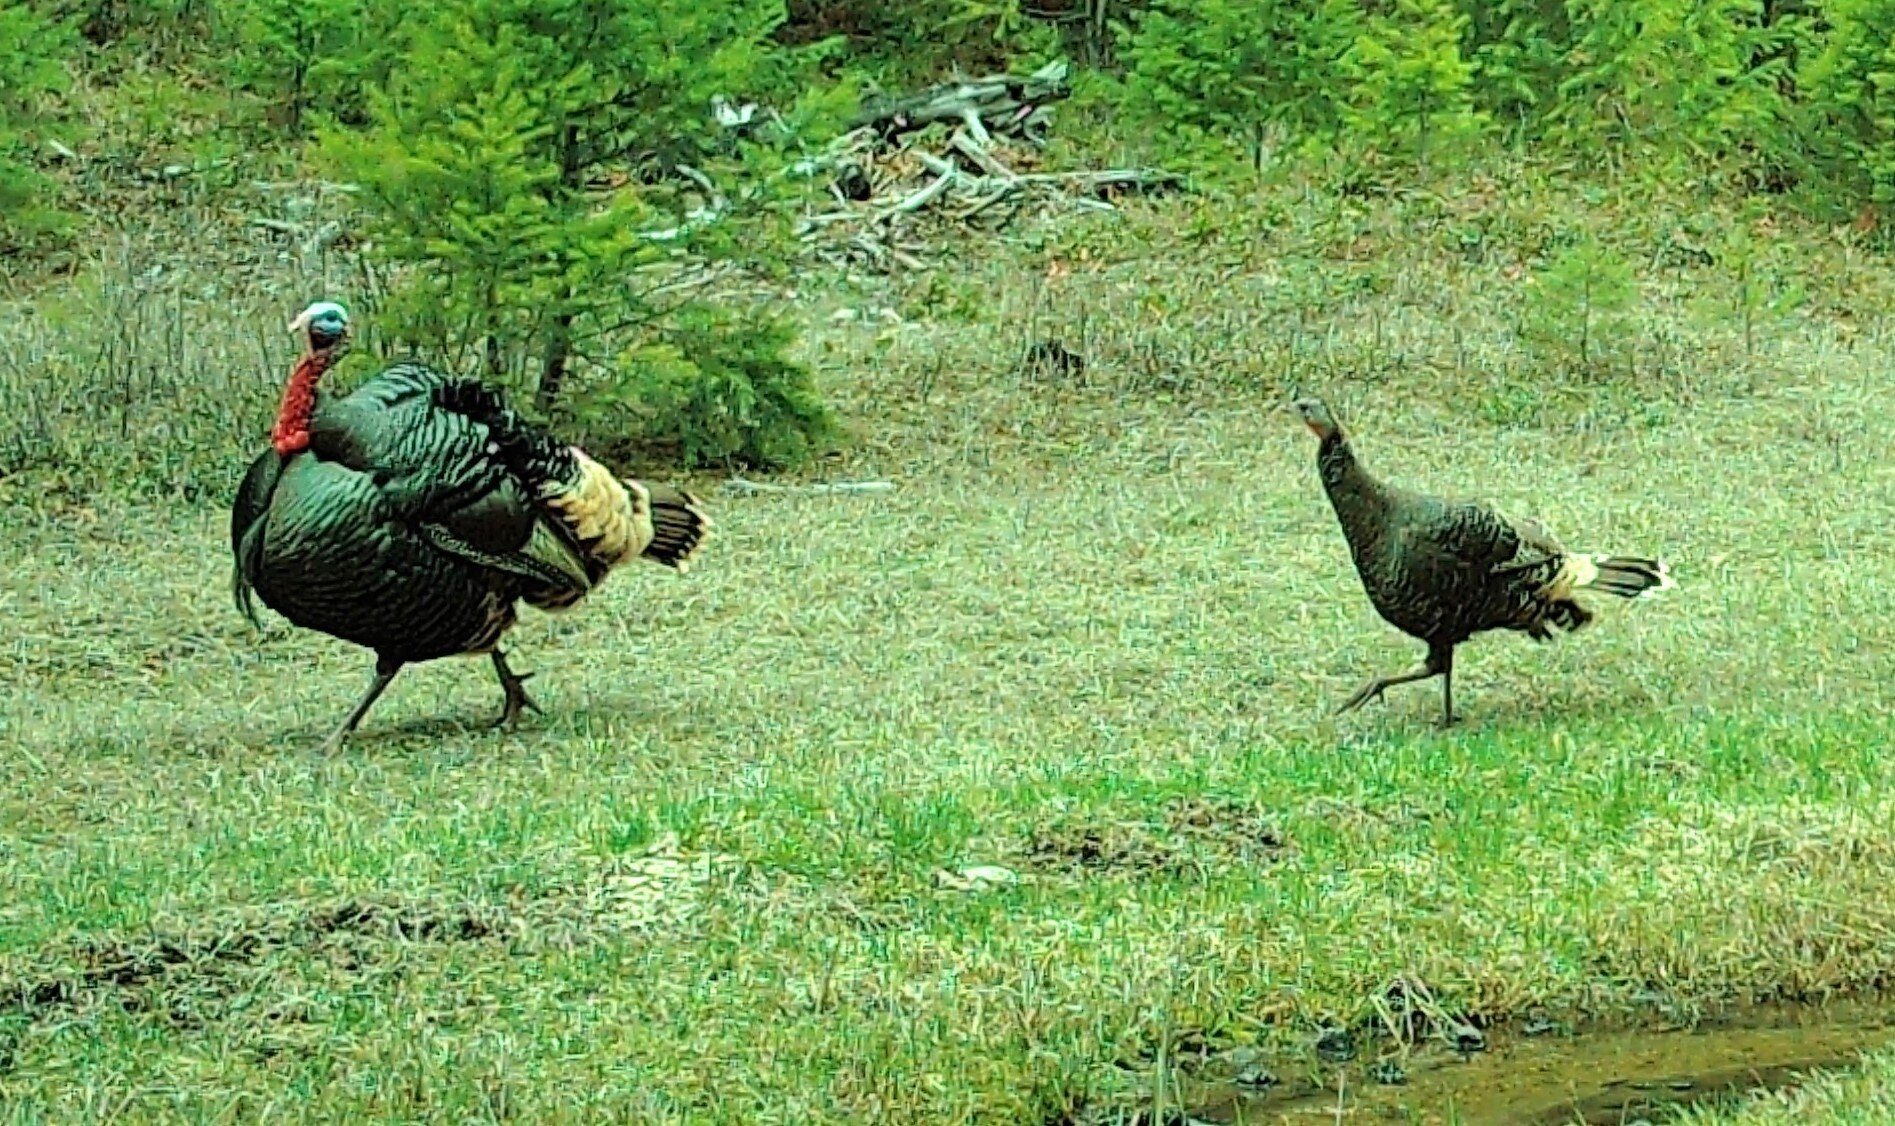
1556,1077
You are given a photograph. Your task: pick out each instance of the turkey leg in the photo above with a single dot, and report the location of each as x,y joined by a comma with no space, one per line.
1440,663
514,685
385,671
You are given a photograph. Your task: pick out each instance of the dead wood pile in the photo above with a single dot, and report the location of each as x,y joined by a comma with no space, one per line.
964,154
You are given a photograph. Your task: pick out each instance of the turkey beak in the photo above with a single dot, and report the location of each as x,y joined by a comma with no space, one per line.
300,324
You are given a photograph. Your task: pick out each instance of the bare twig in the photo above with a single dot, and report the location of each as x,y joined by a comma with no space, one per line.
740,485
717,201
922,198
320,240
303,185
972,148
1000,101
975,129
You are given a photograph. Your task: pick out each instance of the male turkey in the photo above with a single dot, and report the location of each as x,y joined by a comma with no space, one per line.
1443,572
409,516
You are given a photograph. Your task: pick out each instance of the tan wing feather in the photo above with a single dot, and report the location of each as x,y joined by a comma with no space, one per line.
610,518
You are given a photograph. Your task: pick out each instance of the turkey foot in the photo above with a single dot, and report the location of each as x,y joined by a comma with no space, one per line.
1440,663
384,673
514,685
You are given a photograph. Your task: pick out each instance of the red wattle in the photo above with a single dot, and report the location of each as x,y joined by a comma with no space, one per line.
291,433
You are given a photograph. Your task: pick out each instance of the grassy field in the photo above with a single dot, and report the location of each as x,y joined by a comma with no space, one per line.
1007,795
1861,1099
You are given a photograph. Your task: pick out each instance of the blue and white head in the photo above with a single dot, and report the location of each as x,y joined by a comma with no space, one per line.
325,322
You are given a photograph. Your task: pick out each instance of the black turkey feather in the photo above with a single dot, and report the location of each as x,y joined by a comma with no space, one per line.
1442,572
412,515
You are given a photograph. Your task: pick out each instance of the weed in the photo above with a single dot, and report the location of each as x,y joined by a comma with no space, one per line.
1086,646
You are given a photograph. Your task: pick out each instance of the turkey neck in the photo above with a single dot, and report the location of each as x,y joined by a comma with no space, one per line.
291,433
1357,497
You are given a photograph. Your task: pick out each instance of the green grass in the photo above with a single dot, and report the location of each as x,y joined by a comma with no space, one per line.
1092,638
1863,1098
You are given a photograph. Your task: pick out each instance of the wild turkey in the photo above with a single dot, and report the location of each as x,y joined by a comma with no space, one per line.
411,515
1443,572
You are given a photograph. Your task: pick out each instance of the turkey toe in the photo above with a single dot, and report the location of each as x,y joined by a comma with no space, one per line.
1369,691
514,685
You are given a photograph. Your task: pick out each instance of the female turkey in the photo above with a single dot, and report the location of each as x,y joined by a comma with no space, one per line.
411,515
1442,572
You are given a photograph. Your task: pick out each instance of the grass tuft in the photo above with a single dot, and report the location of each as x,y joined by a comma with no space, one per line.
998,796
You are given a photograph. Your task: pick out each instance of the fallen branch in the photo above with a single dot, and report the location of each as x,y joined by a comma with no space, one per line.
1109,178
973,149
303,186
947,175
997,102
885,196
740,485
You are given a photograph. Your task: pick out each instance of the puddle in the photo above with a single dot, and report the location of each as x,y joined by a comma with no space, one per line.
1557,1080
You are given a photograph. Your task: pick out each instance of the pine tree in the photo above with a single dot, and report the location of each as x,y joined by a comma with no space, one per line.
1851,90
1237,69
30,72
1412,89
499,162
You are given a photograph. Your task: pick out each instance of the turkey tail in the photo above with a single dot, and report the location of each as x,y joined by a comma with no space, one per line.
1620,575
610,520
614,520
678,526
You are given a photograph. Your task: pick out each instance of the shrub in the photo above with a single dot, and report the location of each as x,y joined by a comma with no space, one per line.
312,55
1701,78
1850,84
707,391
494,169
32,51
1236,72
1412,91
1576,314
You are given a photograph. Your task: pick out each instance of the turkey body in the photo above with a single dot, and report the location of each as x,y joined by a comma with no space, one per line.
341,546
423,510
1443,571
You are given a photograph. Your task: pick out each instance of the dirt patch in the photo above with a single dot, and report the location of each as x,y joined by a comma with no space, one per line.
1194,834
182,974
1538,1075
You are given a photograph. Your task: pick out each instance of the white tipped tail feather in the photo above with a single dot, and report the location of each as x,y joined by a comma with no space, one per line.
1620,575
617,519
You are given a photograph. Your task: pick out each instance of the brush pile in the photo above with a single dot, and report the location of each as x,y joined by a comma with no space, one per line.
961,154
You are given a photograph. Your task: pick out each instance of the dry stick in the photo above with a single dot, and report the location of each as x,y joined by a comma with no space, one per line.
325,234
975,128
303,185
1111,177
875,250
972,147
808,224
926,195
741,485
947,167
